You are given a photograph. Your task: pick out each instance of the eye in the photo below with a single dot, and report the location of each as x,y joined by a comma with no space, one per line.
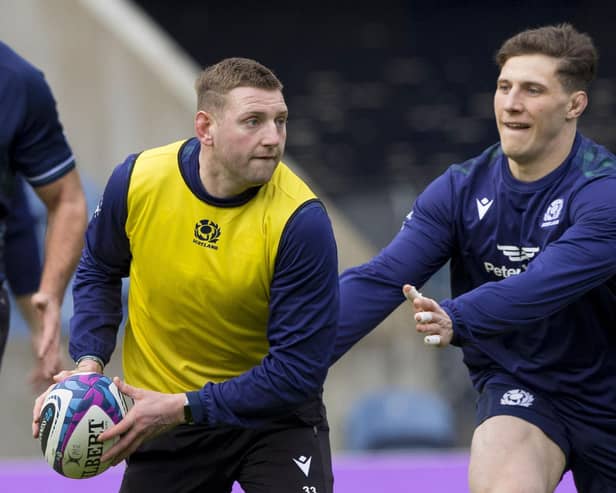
252,121
281,121
502,87
534,90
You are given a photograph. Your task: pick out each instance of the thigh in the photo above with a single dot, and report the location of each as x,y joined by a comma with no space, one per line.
509,454
288,460
188,459
519,445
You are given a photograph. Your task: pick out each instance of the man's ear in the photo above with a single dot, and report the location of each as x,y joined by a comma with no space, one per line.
204,127
577,104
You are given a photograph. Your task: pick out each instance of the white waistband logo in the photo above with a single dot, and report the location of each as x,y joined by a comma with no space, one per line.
517,397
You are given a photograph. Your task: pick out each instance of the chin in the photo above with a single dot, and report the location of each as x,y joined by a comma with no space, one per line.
516,157
269,170
512,151
264,177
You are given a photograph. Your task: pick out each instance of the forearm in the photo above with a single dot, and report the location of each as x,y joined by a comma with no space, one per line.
272,390
291,374
367,297
63,244
97,299
563,273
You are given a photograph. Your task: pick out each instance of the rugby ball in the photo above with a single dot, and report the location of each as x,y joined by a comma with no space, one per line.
74,413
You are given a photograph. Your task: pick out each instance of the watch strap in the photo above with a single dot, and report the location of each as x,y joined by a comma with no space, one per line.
188,416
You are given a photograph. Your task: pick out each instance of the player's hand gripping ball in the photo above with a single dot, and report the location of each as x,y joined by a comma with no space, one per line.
74,413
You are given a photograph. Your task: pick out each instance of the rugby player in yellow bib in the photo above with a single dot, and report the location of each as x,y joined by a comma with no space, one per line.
233,301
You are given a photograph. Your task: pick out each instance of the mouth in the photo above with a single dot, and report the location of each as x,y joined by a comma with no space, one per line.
516,125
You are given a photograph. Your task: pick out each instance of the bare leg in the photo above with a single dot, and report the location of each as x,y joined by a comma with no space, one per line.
510,455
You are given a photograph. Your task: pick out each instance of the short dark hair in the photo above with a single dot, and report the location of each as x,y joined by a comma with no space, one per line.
217,80
576,52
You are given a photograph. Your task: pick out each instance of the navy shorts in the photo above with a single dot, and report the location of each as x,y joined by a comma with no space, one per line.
588,440
291,456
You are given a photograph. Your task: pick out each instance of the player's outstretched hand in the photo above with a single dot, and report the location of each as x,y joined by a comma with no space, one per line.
431,320
152,413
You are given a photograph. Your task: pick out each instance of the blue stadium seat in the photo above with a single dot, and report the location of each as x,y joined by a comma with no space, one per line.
396,419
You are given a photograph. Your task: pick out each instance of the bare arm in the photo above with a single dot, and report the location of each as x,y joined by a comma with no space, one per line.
67,217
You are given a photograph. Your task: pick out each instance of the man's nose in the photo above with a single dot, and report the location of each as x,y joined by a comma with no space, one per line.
272,134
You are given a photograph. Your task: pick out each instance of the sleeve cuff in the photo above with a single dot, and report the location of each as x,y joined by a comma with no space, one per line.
198,411
459,330
96,359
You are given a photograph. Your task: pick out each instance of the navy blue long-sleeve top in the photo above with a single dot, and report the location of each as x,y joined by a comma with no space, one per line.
533,272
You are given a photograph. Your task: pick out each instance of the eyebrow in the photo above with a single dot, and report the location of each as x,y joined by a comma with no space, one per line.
261,113
522,82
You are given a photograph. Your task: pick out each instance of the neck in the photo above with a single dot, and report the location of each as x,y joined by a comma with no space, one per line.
214,178
536,167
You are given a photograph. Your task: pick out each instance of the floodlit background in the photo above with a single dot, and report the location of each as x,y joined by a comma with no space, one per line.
382,99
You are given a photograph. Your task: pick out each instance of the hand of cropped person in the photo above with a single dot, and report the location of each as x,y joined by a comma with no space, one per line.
47,342
47,366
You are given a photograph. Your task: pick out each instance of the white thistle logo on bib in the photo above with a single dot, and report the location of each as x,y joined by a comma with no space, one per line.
517,397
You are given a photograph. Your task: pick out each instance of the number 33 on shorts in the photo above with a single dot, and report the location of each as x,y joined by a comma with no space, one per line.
309,489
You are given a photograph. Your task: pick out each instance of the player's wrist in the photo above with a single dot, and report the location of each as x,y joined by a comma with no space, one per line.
188,414
90,362
46,296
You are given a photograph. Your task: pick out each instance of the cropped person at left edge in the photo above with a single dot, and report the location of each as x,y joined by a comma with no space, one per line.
33,145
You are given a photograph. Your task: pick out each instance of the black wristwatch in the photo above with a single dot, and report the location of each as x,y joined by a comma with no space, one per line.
188,417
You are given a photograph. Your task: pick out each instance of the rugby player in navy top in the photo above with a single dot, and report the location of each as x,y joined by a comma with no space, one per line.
32,144
529,228
232,306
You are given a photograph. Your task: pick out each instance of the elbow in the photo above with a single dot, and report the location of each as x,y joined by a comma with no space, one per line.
312,381
315,386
